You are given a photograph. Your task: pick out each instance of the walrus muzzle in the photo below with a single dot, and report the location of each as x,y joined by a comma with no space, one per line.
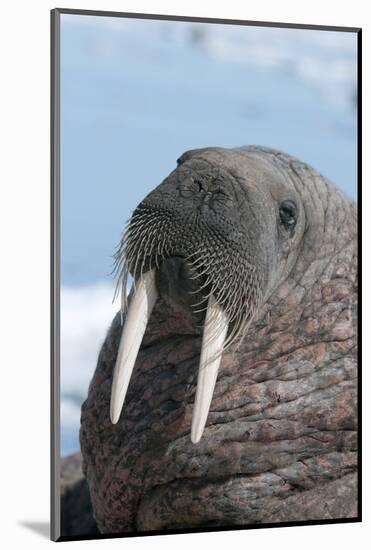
227,287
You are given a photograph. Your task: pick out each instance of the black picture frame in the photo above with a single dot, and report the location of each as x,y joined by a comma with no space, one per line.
56,250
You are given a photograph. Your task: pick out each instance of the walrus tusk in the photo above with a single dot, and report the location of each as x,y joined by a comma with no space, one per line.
215,332
140,309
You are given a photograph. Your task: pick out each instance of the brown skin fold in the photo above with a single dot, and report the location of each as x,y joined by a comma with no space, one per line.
280,443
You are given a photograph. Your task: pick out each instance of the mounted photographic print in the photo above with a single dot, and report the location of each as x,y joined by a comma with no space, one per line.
204,274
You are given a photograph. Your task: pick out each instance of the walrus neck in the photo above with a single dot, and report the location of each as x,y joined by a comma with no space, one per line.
303,314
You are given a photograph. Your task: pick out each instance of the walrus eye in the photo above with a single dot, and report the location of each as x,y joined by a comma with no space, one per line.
288,214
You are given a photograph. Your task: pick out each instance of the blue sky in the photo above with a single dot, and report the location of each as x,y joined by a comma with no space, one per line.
136,94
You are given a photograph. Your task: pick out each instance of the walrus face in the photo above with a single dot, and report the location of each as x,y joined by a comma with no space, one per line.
213,239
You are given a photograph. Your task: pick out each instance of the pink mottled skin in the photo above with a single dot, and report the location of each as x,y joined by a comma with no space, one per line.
280,443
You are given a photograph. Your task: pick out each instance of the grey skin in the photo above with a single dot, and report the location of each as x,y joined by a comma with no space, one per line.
275,243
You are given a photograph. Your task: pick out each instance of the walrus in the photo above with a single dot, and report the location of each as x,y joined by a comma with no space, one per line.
225,392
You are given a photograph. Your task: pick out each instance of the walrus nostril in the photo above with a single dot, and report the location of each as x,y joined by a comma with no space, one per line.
200,185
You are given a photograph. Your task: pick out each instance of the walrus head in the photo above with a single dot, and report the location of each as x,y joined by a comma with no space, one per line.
252,250
213,240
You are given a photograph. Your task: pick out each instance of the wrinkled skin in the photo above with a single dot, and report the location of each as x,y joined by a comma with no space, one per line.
280,443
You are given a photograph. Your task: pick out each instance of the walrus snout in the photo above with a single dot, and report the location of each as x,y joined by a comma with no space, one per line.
186,244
